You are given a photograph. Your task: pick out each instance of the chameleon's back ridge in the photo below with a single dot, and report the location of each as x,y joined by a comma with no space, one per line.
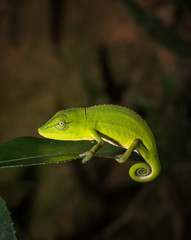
124,118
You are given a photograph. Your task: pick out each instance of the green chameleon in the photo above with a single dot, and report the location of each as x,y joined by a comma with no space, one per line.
114,124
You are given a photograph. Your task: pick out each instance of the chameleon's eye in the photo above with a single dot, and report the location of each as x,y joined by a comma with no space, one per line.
61,123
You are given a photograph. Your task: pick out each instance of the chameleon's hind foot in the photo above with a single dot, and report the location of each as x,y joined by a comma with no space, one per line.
120,158
123,158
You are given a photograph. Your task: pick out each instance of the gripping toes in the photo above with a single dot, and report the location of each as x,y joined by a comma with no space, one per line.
120,158
87,156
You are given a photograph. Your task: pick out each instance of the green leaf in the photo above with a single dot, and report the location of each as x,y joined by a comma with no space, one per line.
25,151
7,231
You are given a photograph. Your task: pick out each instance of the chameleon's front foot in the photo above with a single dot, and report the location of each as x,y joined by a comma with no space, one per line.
120,158
87,156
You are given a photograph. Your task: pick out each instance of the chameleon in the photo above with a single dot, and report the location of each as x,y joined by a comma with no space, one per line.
114,124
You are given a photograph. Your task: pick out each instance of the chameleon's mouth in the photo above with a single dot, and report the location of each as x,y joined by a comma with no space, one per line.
43,130
40,131
45,133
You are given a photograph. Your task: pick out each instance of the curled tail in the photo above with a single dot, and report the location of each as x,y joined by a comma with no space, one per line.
145,171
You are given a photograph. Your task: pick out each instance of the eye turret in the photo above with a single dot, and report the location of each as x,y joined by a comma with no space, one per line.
61,123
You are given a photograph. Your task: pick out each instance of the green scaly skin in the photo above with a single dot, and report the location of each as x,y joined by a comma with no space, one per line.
117,125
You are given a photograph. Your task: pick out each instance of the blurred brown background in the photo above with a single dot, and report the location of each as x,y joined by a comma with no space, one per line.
57,54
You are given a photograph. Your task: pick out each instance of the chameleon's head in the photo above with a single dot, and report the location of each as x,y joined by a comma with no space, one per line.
64,125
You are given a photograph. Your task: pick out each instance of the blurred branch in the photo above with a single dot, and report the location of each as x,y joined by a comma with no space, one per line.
169,197
14,21
112,87
91,90
57,8
158,30
186,4
128,213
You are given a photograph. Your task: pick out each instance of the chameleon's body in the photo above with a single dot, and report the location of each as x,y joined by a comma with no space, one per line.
114,124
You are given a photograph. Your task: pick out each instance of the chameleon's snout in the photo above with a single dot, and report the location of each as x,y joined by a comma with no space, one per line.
42,129
46,130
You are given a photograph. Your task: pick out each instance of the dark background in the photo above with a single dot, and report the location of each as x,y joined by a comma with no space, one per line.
57,54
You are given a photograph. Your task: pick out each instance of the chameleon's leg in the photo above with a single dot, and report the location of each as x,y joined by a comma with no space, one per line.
89,154
123,158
